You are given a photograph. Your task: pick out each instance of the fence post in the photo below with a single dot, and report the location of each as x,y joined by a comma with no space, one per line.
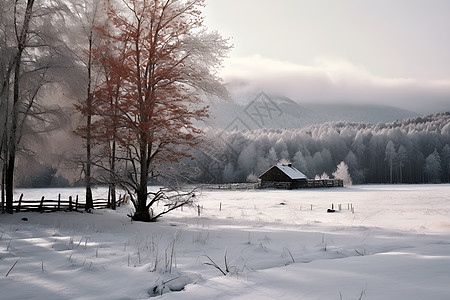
41,205
76,203
3,199
59,202
109,197
70,203
20,203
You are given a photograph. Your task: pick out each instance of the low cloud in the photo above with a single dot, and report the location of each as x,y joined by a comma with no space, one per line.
335,80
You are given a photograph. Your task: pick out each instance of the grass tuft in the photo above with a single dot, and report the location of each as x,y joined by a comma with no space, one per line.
226,270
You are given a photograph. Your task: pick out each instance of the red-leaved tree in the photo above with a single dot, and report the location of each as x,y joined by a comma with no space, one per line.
159,64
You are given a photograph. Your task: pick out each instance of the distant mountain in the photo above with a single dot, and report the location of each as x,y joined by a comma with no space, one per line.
361,113
253,111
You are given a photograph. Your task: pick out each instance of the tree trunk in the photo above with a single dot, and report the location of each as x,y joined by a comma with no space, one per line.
142,212
10,158
112,177
390,170
9,184
3,189
10,165
89,203
4,153
448,178
112,195
89,200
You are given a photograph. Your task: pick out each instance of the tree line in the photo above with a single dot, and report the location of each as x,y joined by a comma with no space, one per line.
414,150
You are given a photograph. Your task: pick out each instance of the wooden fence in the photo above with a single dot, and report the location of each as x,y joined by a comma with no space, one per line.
229,186
51,205
303,184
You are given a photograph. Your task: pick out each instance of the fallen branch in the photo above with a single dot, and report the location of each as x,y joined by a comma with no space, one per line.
11,268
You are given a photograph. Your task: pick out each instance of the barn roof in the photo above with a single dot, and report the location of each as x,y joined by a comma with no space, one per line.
289,170
292,172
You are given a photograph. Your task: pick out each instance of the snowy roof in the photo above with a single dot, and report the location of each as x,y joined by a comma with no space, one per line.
292,172
288,170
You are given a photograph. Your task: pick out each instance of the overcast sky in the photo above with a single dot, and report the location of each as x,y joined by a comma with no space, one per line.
394,52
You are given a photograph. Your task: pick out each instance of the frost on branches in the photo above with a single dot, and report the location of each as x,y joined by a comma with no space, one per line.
342,173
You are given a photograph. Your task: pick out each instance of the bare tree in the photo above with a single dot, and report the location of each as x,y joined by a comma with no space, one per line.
88,15
35,60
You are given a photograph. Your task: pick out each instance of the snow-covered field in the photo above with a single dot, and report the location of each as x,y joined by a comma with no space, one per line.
277,245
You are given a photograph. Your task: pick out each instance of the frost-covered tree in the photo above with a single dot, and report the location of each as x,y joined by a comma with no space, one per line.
252,178
315,163
433,167
228,173
390,155
87,15
323,176
272,157
300,163
248,158
401,158
34,62
445,160
376,152
342,173
281,149
354,168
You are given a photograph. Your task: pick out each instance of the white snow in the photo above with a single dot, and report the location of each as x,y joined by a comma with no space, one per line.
292,172
396,245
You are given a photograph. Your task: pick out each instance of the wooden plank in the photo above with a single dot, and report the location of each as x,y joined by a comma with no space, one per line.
20,202
41,204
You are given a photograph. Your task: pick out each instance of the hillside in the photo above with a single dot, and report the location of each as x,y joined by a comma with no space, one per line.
254,111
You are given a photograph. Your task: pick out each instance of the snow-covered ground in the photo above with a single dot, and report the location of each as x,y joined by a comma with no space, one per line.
277,245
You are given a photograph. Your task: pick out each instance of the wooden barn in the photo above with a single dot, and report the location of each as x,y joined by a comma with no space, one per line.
282,176
288,177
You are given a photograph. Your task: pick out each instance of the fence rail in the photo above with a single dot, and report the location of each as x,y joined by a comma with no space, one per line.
229,186
70,204
303,184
